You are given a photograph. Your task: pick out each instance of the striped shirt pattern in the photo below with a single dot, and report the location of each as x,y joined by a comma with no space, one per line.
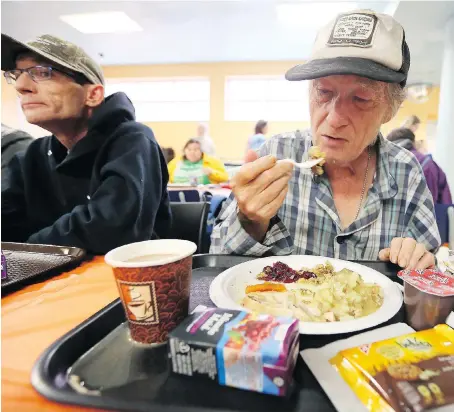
398,204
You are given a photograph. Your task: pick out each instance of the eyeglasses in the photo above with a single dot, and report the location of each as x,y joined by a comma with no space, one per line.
40,74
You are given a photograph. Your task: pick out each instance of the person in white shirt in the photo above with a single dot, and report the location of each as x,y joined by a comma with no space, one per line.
206,142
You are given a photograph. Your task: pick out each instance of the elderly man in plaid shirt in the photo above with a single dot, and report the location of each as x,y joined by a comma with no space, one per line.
372,200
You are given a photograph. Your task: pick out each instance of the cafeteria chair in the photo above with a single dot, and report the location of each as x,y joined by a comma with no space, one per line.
444,215
216,204
189,222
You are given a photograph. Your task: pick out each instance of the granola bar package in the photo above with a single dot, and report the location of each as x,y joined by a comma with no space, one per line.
410,373
244,350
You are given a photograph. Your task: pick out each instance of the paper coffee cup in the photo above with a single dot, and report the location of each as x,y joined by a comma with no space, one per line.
153,278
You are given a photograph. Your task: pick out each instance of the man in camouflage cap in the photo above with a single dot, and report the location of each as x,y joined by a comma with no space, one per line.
100,180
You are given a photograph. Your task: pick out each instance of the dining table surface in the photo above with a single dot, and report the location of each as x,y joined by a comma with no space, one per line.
38,315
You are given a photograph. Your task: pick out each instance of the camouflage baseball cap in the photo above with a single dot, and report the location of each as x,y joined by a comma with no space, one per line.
56,50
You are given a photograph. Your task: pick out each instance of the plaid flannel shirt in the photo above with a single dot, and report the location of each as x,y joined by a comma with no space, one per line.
398,204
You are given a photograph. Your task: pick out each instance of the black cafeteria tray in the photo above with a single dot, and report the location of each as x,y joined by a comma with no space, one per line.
27,263
119,375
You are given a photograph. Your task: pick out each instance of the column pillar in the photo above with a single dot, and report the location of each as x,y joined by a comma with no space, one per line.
444,142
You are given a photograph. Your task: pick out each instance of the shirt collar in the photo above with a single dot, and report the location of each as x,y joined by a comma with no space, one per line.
385,182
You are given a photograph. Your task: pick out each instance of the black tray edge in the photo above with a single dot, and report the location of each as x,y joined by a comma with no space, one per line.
40,378
44,384
72,251
76,254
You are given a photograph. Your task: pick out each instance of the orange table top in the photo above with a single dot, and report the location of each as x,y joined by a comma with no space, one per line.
36,316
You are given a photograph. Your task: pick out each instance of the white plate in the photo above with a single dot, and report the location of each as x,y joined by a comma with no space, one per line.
228,289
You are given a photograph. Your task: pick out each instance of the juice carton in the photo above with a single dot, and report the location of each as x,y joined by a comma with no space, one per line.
244,350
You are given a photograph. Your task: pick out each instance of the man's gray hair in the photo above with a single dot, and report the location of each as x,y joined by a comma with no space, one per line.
396,96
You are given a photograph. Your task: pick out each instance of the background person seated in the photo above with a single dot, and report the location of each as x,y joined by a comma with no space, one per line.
206,142
256,141
196,167
169,154
412,122
435,177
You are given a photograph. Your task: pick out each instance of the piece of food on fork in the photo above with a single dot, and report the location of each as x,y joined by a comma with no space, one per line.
315,162
315,153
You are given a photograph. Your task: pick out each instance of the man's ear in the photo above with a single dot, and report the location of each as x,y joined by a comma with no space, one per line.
94,95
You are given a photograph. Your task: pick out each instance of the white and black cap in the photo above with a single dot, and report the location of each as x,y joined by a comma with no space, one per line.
360,42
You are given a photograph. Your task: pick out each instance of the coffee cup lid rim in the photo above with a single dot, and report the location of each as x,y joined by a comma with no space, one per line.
185,249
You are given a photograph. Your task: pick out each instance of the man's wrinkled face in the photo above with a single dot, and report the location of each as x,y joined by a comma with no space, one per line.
346,114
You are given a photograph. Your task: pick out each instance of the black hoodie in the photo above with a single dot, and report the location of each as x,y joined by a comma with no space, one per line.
109,190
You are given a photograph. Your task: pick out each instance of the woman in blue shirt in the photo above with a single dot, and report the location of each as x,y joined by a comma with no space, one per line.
256,141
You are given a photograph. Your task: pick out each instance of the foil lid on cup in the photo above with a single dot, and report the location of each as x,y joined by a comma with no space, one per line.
430,281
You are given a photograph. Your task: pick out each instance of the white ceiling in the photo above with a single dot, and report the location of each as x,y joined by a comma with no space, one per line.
216,30
424,23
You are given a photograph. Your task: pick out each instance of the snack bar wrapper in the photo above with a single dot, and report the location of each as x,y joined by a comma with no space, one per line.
413,372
